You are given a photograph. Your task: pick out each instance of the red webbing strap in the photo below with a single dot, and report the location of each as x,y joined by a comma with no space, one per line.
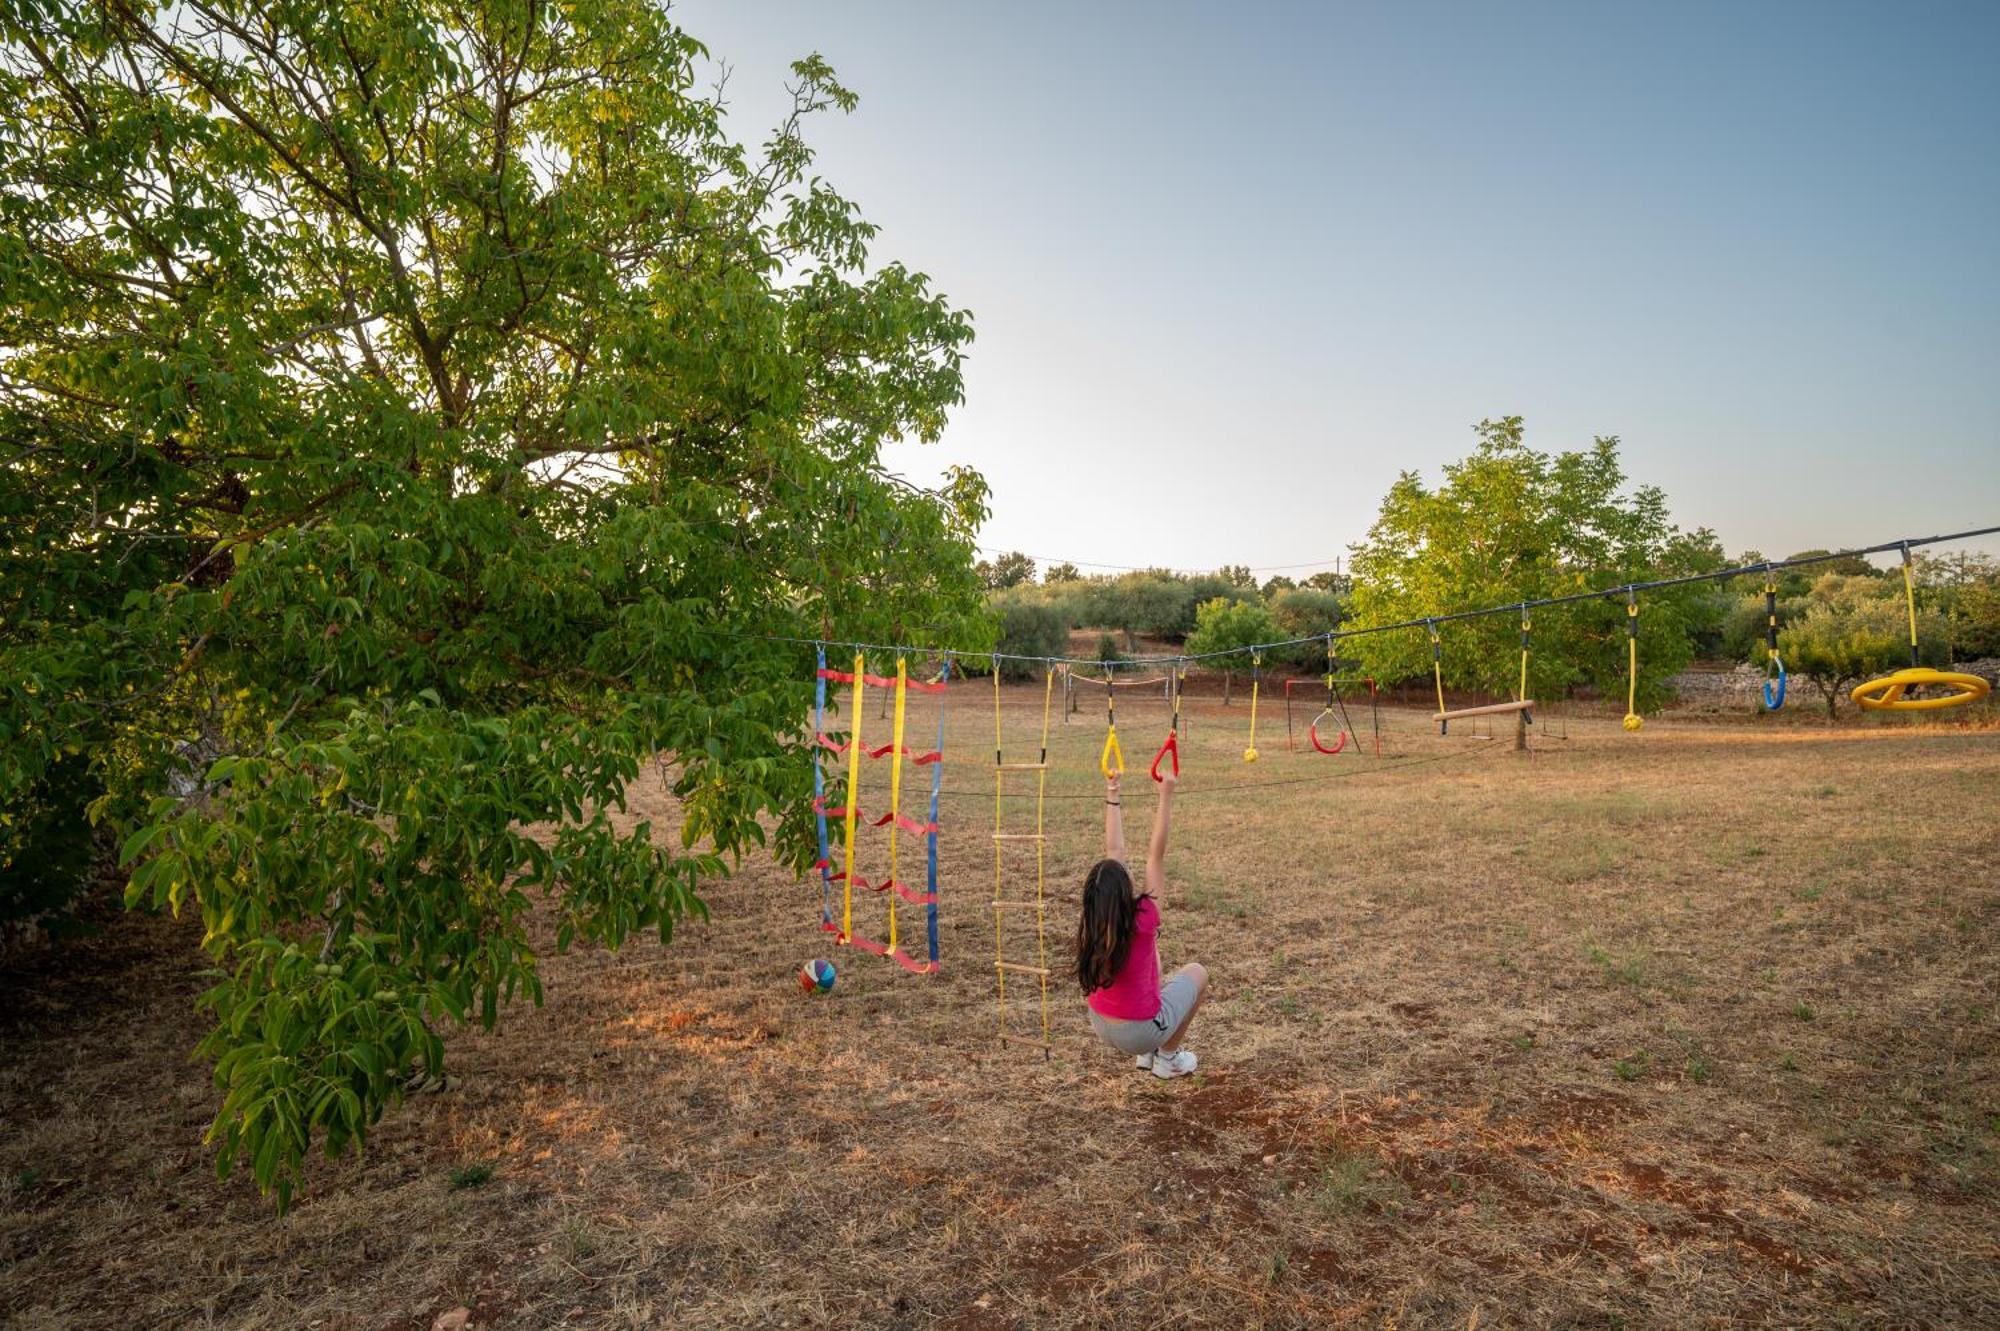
912,965
826,743
921,760
908,893
878,682
907,823
902,820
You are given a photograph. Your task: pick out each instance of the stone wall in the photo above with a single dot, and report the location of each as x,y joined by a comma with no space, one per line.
1726,689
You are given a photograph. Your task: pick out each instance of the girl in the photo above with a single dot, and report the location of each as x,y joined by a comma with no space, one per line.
1117,962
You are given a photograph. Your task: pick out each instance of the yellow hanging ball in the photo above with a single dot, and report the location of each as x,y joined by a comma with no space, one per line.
1633,721
1249,755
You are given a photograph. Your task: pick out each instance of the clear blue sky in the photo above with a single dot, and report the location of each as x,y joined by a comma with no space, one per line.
1235,266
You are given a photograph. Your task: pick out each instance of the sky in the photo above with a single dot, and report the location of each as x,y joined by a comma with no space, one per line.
1235,267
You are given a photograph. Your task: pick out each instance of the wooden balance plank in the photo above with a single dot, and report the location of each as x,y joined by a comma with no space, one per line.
1491,709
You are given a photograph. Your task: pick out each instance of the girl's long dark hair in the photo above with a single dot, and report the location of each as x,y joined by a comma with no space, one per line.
1104,933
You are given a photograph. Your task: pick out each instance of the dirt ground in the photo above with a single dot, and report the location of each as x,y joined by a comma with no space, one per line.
1689,1028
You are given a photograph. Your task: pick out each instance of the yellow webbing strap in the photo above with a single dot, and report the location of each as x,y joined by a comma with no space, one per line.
896,788
1910,596
853,803
1112,761
999,780
1041,863
1632,718
1437,672
1256,679
1522,696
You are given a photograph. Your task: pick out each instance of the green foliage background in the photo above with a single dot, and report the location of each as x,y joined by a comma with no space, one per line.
414,417
1513,524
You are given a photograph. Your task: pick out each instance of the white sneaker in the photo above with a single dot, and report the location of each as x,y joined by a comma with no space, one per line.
1143,1062
1177,1064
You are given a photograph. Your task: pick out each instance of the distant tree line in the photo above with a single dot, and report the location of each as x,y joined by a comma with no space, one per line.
1509,524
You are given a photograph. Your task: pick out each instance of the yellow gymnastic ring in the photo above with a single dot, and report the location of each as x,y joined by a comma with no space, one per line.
1886,694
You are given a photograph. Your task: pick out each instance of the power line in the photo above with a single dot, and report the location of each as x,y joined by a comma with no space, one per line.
1047,562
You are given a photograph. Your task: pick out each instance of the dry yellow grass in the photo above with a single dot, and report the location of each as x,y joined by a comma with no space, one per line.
1693,1028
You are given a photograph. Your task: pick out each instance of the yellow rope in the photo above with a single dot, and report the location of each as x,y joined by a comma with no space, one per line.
1111,762
1910,596
1522,696
999,779
1632,718
1041,896
853,801
896,788
1437,673
1256,678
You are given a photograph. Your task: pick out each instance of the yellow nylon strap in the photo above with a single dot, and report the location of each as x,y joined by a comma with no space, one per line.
1048,693
999,779
1256,678
853,804
1041,862
1632,718
1522,696
1910,596
1437,668
896,786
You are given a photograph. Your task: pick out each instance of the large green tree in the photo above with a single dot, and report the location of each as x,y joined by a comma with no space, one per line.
416,417
1513,524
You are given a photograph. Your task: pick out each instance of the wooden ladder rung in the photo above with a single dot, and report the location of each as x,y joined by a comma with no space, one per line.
1019,836
1022,1039
1020,905
1024,970
1021,767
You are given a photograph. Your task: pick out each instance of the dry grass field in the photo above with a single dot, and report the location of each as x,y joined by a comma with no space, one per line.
1690,1028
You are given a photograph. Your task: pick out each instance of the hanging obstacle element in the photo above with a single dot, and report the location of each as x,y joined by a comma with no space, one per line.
1774,665
895,819
1891,692
1632,720
1521,707
1171,748
1039,903
1256,679
1887,694
1333,697
1374,709
1111,761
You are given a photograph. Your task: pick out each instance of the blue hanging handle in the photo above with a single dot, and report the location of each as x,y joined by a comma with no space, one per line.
1774,683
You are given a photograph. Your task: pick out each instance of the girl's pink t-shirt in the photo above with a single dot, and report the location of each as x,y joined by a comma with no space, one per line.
1134,993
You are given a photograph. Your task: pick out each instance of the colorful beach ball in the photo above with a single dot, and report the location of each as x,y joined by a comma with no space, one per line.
816,976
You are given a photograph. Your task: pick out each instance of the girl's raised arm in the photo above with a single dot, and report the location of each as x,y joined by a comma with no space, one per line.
1156,853
1114,825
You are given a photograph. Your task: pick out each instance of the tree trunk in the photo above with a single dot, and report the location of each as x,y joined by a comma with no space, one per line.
1228,678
